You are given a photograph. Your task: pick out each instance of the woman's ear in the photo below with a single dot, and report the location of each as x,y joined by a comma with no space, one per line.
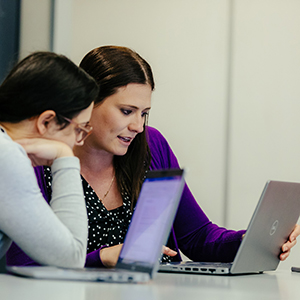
44,121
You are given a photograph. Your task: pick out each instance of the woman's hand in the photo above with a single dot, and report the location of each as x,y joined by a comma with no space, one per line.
286,247
43,151
168,251
109,256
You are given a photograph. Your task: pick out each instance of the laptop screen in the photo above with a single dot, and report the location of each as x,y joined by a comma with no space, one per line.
153,217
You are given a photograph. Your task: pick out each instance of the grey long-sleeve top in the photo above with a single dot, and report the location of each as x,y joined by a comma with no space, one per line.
51,235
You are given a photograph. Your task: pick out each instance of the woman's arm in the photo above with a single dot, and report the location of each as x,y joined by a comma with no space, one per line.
51,236
196,236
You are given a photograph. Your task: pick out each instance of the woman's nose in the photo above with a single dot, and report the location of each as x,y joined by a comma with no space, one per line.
137,125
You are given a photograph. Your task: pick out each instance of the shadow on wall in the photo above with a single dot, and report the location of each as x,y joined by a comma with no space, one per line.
9,35
9,49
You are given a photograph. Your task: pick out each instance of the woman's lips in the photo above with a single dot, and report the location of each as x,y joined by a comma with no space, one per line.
126,140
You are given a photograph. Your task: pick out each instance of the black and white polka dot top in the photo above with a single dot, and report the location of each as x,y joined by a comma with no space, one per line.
105,227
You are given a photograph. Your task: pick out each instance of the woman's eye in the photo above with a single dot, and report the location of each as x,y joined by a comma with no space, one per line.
126,111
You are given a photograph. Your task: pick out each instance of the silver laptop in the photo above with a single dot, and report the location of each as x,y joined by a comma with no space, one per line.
148,232
273,220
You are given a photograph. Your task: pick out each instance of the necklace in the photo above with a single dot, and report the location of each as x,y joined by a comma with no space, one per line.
108,188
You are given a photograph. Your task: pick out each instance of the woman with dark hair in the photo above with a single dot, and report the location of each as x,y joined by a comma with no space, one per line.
45,106
115,158
120,70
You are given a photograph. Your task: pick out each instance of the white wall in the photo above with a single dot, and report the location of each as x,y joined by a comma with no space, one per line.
35,26
227,92
186,44
265,103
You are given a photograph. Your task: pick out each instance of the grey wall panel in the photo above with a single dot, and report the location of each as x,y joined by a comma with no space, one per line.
9,35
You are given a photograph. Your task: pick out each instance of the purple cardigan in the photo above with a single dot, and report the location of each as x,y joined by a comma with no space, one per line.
192,232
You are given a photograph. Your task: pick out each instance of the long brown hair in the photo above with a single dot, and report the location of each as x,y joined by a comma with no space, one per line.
113,67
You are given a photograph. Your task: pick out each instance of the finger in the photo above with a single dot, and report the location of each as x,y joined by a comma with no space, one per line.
288,245
29,148
22,141
295,233
27,142
169,251
284,256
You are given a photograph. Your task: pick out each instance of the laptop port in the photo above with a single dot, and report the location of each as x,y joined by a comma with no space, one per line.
203,269
195,269
212,270
100,279
188,269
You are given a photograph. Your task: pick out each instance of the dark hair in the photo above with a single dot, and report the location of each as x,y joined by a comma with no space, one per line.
114,67
45,81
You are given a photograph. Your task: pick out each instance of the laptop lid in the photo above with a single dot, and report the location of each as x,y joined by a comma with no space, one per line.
273,220
148,232
152,220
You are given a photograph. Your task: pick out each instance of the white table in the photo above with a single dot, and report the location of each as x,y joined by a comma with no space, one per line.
271,285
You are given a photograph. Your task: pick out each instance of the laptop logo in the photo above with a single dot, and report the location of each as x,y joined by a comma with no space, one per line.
274,227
